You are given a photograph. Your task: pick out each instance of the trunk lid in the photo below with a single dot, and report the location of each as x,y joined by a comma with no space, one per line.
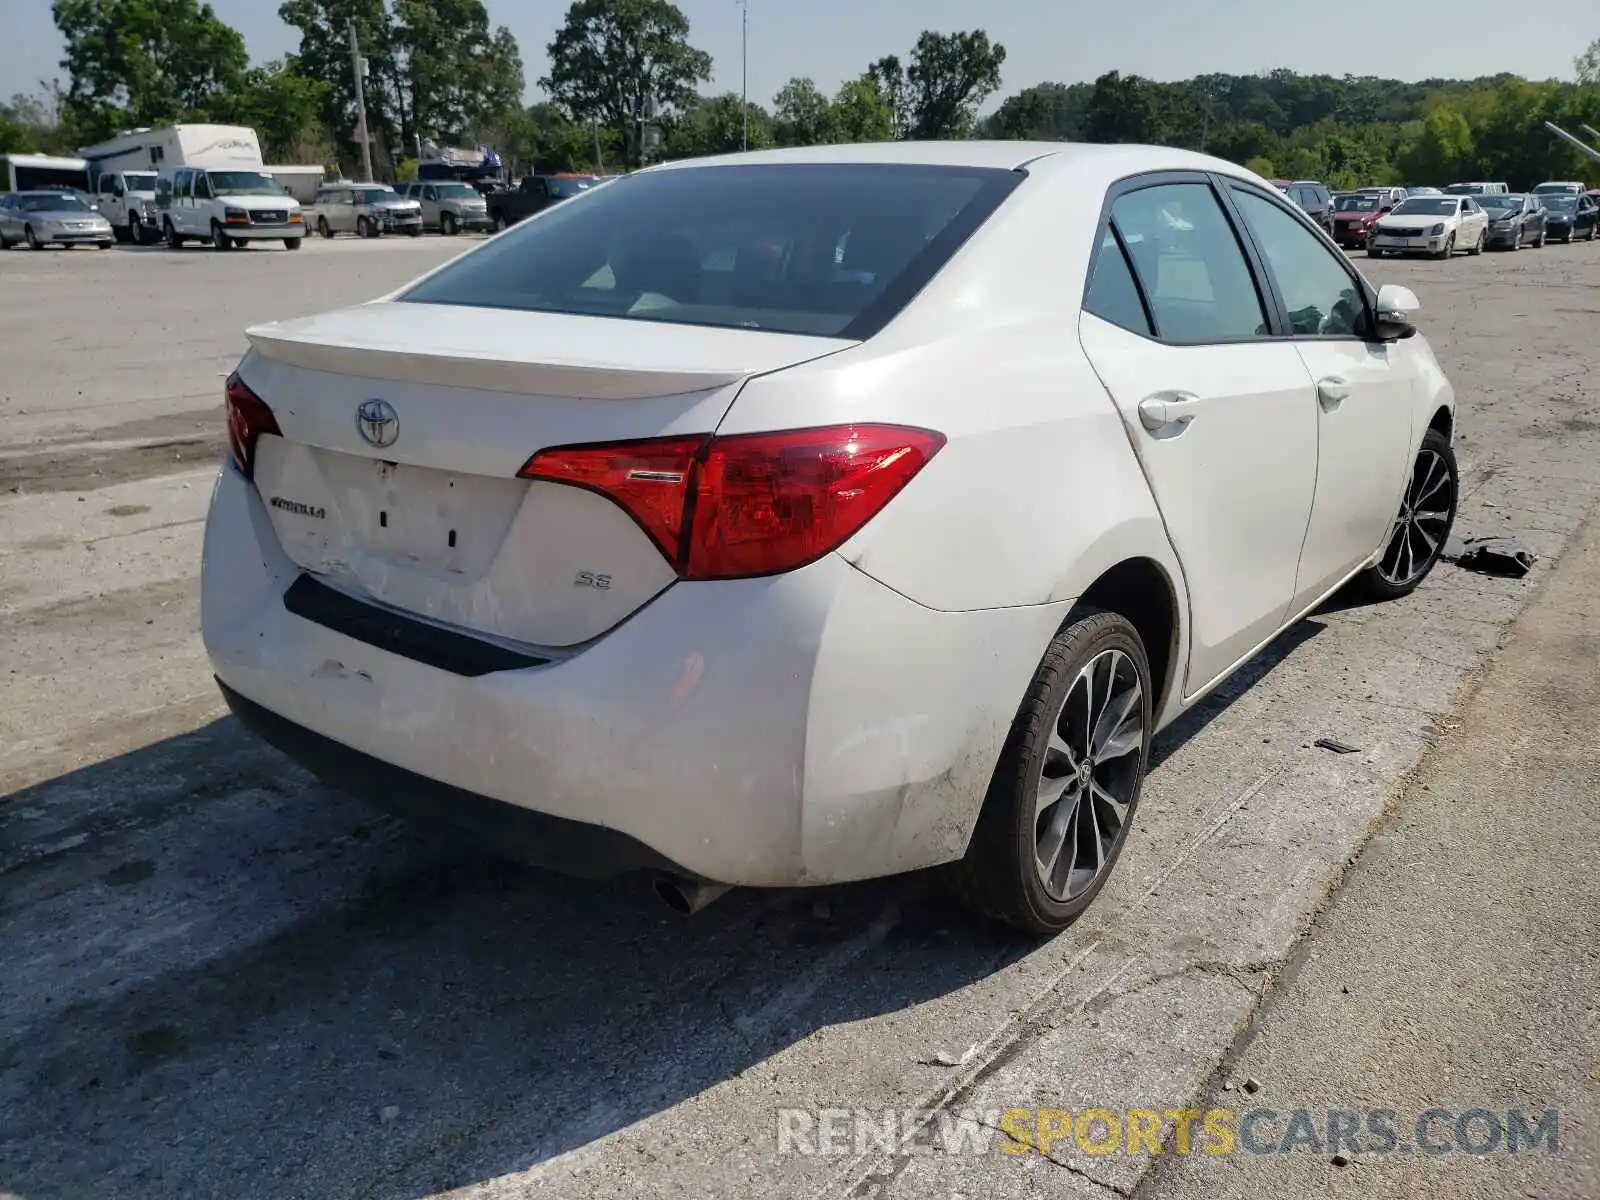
403,429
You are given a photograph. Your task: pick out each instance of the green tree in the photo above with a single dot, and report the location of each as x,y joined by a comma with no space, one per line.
860,112
543,138
1121,109
324,56
146,62
285,108
1045,112
615,60
888,78
1587,64
937,94
715,125
1439,148
454,74
802,116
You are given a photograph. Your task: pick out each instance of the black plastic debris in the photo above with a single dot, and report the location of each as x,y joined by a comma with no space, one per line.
1490,556
1336,746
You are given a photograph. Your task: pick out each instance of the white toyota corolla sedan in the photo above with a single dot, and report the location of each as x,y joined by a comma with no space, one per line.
812,515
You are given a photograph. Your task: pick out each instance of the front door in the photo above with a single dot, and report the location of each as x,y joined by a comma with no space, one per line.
1364,394
1221,414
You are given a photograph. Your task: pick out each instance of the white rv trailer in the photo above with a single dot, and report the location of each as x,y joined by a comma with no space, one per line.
29,172
176,146
197,146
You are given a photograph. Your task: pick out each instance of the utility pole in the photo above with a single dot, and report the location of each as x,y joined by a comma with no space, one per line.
361,107
744,70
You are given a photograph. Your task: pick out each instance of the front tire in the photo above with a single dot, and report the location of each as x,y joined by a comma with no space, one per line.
1427,514
1477,248
1067,784
447,225
1449,247
219,239
323,229
1539,242
174,238
32,238
291,243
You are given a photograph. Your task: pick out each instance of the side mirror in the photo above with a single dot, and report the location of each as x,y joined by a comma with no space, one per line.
1397,309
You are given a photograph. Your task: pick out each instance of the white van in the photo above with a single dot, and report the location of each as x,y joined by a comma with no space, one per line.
1477,189
227,207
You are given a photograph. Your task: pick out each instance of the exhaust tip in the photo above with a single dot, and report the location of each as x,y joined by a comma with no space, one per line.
687,897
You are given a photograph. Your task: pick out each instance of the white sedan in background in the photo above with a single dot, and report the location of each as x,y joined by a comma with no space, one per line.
1437,226
811,515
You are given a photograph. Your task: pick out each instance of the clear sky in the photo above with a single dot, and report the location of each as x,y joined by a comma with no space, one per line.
832,40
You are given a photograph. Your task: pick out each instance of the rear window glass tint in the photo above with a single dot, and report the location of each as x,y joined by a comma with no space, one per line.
829,249
1113,296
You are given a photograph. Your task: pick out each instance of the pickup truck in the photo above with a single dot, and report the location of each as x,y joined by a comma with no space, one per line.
128,200
534,194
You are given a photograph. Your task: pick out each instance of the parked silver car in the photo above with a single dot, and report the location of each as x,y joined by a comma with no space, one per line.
364,209
44,218
450,207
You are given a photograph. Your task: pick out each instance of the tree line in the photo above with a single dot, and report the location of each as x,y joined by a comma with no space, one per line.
436,70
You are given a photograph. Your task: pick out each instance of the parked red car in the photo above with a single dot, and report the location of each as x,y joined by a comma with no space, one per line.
1355,215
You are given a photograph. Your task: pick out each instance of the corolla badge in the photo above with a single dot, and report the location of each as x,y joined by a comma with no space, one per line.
377,422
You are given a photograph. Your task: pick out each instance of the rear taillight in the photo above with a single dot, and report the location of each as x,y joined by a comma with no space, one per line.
248,419
750,504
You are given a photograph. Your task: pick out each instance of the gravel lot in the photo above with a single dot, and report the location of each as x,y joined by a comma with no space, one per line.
222,979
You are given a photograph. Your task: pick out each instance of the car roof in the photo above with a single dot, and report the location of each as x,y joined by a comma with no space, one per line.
1006,156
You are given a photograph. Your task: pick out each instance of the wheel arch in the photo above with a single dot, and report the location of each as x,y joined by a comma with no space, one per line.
1143,591
1444,421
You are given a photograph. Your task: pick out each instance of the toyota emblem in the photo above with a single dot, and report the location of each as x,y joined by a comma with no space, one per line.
377,422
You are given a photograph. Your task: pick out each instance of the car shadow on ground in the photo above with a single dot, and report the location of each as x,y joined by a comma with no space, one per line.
443,1019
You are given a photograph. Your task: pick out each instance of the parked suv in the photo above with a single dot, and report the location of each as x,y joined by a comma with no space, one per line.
450,207
226,207
1312,196
364,209
128,200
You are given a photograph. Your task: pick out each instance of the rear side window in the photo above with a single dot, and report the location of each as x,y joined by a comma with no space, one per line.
1113,295
830,249
1190,264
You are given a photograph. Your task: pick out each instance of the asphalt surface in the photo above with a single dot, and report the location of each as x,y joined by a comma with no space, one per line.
1459,967
224,980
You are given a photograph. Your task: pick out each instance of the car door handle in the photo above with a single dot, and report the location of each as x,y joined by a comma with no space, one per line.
1166,409
1331,392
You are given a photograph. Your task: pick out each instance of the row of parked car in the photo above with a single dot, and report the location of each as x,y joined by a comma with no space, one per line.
1472,217
229,207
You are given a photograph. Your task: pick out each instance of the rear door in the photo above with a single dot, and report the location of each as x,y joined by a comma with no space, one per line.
1364,393
1220,411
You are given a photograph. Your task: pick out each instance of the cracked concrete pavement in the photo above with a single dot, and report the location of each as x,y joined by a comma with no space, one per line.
224,979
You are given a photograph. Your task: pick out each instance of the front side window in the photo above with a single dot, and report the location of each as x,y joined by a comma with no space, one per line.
739,247
1191,266
1320,295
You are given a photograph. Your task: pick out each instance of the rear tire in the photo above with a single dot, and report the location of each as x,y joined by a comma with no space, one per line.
1048,792
1417,538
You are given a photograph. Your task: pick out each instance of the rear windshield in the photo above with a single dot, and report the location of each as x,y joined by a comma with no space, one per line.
1560,203
1358,204
829,249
